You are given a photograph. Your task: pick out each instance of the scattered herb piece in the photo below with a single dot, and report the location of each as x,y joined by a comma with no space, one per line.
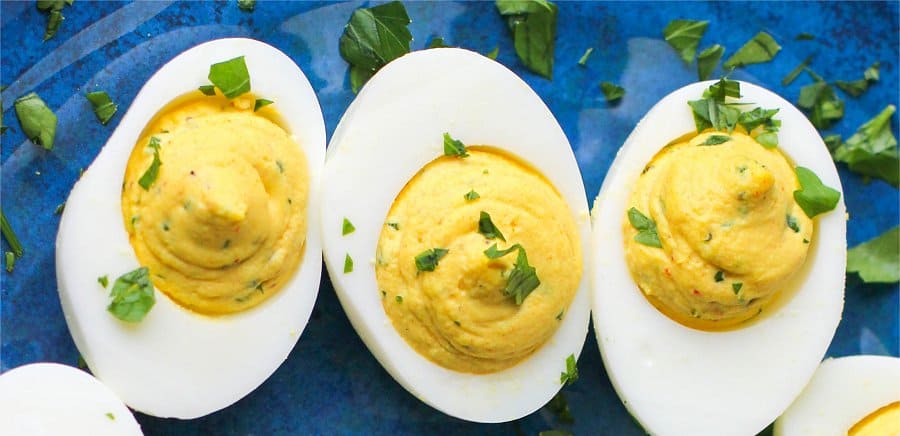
38,122
428,259
103,280
787,80
814,197
132,296
559,316
348,264
792,223
877,260
560,407
684,36
533,25
584,58
109,414
720,275
208,90
736,287
104,108
454,147
716,140
762,126
871,73
821,103
10,261
399,299
10,236
487,228
54,7
437,42
347,228
805,36
571,374
858,87
261,103
762,48
152,171
872,150
522,280
723,88
712,112
611,91
457,322
247,5
555,432
393,225
59,208
646,228
471,196
231,77
493,253
708,59
493,53
372,38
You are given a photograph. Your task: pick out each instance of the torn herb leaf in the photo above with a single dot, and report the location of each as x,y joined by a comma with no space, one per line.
261,103
372,38
872,150
104,108
762,48
493,53
877,260
494,253
231,77
716,140
708,59
152,171
522,280
821,103
646,228
736,287
571,374
813,196
792,223
533,25
437,42
247,5
103,280
38,122
208,90
347,227
132,296
684,36
10,261
787,80
584,58
348,264
454,147
720,276
487,228
10,236
54,7
611,91
471,196
428,259
803,36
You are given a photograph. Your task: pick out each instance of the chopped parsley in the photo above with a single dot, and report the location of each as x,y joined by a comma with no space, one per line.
471,196
736,287
152,171
231,77
803,36
716,140
708,59
247,5
372,38
494,253
533,26
821,103
813,196
437,42
110,416
555,432
261,103
560,407
762,48
493,53
877,260
584,58
38,122
348,264
571,374
872,150
428,259
132,296
59,208
684,36
454,147
347,227
856,88
487,228
103,280
10,261
208,90
792,223
611,91
712,111
104,108
10,236
787,80
522,280
720,275
399,299
393,225
54,8
646,228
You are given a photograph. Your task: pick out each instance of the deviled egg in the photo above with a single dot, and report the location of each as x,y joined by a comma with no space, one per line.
454,224
722,283
200,218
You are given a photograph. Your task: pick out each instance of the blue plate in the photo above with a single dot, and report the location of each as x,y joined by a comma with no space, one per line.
330,383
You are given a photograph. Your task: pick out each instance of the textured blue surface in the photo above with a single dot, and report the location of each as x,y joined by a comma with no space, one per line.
330,383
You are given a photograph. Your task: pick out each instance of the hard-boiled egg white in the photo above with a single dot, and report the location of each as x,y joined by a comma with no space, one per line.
45,399
843,392
391,131
678,380
176,363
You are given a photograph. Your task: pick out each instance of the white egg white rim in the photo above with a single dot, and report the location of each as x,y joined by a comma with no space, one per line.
170,385
620,310
842,392
393,129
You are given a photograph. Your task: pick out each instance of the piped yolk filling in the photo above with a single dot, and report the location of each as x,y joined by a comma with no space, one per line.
884,421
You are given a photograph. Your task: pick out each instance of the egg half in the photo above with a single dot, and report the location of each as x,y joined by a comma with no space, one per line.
176,362
842,393
52,399
679,380
390,132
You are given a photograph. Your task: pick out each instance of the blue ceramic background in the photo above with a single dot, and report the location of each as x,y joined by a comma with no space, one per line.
330,383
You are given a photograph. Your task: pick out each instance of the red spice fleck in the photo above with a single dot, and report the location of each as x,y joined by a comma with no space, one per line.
667,272
696,292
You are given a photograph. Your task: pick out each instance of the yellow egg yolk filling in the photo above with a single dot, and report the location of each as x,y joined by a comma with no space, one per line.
222,227
457,315
731,233
884,421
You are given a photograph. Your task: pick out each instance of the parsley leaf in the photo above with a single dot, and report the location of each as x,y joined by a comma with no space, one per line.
720,276
585,56
208,90
493,253
152,171
437,42
712,114
103,280
231,77
736,287
348,264
814,197
858,87
684,36
454,147
471,196
762,48
261,103
708,59
38,122
10,261
347,227
716,140
822,105
428,259
522,280
877,260
803,36
10,236
611,91
132,296
571,374
646,228
54,7
872,150
487,228
533,25
104,108
247,5
792,223
493,53
723,88
372,38
787,80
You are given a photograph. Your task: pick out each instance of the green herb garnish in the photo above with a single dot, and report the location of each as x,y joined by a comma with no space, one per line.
708,59
10,236
247,5
646,228
787,80
856,87
872,150
712,112
533,25
487,228
399,299
471,196
684,36
261,103
152,171
110,416
560,407
54,7
821,103
814,197
348,264
611,91
104,108
372,38
347,227
877,260
571,374
792,223
103,280
736,287
494,253
38,122
522,280
762,48
454,147
132,296
555,432
231,77
716,140
803,36
393,225
720,276
437,42
584,58
208,90
428,259
10,261
493,53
